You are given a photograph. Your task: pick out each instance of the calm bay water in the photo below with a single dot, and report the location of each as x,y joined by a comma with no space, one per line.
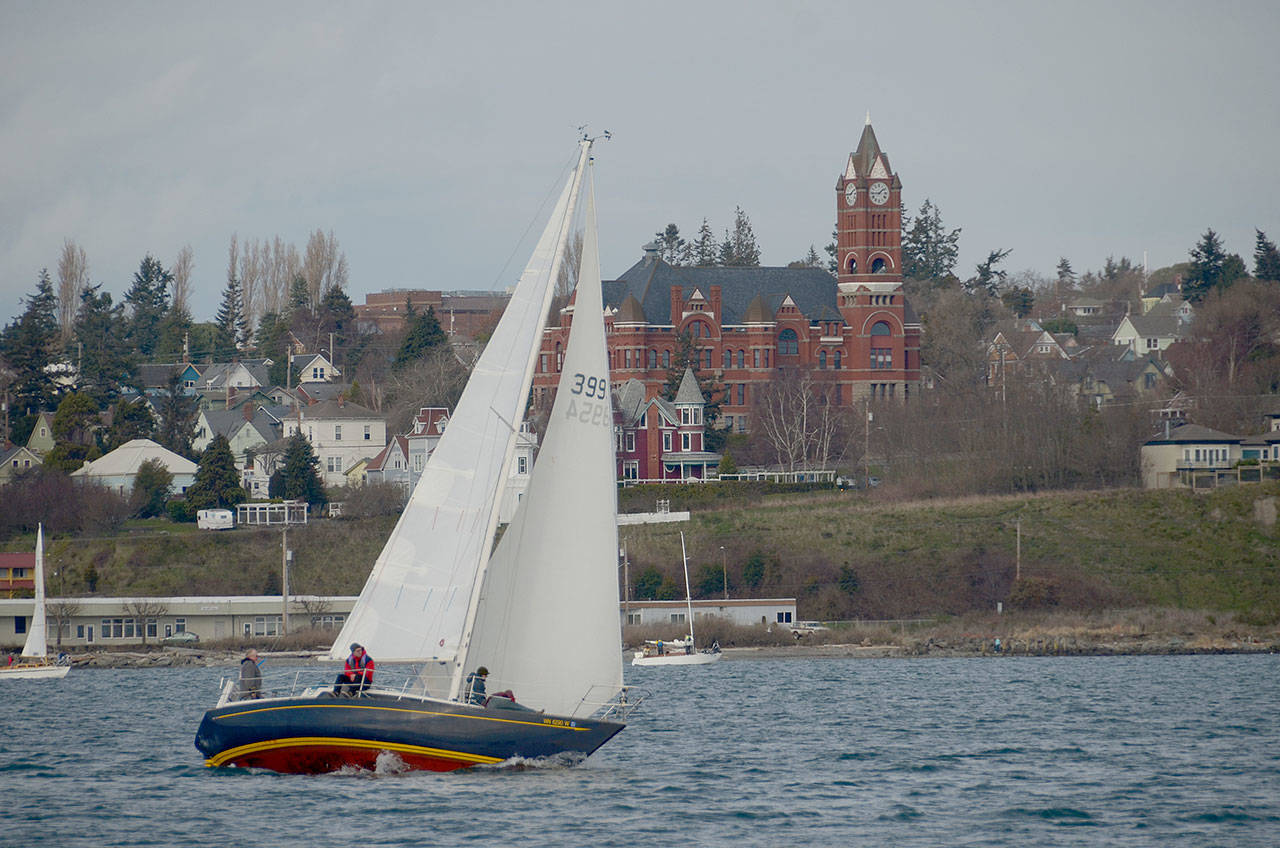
997,751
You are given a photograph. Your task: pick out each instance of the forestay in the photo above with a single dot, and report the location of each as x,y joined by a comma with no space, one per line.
547,622
414,606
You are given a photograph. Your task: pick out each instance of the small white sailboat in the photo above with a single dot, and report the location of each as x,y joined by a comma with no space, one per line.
34,664
681,651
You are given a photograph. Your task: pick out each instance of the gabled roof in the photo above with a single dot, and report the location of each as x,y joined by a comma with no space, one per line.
398,444
126,459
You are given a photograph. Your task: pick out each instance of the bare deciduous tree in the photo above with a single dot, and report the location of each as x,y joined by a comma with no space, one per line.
73,278
142,609
435,380
181,270
324,267
61,613
793,415
252,270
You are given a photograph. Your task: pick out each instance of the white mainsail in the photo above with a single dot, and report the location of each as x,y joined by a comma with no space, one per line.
416,602
546,623
37,640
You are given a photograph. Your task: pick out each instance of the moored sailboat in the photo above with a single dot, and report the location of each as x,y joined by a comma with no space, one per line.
34,663
539,608
679,651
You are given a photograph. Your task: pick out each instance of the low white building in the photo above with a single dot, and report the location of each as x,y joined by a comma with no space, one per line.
743,611
127,622
118,470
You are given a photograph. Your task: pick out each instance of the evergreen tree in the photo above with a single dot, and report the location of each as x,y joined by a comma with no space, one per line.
671,246
1266,259
272,342
151,488
833,264
301,472
1020,300
299,295
422,335
1211,268
130,420
988,278
74,426
29,344
1066,276
337,317
739,248
929,252
148,301
704,252
102,346
217,483
175,329
178,412
230,320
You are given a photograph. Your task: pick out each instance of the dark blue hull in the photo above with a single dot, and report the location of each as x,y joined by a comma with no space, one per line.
322,734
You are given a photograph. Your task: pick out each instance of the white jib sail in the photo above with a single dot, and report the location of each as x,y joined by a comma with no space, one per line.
415,603
36,644
547,624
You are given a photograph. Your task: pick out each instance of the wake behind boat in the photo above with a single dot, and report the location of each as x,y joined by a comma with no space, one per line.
34,663
539,608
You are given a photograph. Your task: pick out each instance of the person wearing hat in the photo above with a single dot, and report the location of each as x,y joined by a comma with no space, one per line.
475,686
357,673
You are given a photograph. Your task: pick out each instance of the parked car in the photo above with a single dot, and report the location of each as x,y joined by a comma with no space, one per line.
186,637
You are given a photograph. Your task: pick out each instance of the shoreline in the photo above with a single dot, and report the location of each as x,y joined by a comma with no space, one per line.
973,648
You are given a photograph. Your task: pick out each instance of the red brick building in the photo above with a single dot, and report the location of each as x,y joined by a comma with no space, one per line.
464,314
856,333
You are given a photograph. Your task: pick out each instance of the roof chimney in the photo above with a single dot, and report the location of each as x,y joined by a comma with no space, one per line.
248,411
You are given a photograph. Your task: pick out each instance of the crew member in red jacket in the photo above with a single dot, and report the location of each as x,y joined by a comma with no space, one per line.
357,673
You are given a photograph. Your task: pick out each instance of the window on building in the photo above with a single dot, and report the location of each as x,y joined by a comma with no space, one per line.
265,625
742,394
788,343
334,464
367,433
666,359
686,442
837,364
559,356
822,360
19,625
784,617
542,363
419,462
626,357
666,440
653,358
337,432
878,266
881,357
742,358
728,423
629,442
179,625
152,628
728,359
755,358
633,618
677,617
631,470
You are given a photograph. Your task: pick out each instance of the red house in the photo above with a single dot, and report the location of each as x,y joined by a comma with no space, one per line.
660,439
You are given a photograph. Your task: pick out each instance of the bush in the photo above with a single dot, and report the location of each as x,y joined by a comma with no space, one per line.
181,512
1033,593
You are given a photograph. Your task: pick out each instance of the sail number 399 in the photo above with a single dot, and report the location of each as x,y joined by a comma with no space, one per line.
592,387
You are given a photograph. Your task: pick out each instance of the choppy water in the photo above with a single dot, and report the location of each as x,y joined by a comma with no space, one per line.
999,751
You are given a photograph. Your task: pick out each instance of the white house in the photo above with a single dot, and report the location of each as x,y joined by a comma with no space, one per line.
118,469
743,611
340,433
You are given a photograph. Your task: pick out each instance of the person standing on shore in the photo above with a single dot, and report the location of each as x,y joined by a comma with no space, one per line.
250,676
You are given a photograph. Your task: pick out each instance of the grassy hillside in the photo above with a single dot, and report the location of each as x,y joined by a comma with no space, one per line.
842,555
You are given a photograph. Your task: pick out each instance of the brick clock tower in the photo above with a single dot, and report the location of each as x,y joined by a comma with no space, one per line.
885,341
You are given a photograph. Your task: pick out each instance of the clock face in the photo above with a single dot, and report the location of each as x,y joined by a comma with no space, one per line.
850,194
879,194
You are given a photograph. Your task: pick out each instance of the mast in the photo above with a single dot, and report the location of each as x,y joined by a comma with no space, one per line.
566,227
688,594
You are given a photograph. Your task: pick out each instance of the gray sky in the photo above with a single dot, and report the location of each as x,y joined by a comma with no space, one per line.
426,135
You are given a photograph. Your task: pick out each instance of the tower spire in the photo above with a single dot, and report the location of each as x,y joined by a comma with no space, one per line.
868,117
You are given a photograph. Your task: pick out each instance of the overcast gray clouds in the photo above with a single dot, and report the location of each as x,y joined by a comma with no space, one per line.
425,135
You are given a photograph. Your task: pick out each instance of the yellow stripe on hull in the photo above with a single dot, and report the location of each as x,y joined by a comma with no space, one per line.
337,741
558,724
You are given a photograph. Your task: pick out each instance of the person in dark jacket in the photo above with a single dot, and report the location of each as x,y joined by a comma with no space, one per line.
475,686
250,676
357,673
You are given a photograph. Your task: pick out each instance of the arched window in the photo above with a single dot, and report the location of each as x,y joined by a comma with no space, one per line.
706,359
559,356
881,328
788,342
822,360
666,359
836,364
852,264
728,359
742,359
653,358
878,266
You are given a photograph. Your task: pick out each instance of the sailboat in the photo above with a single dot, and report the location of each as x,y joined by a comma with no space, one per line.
34,663
679,652
538,608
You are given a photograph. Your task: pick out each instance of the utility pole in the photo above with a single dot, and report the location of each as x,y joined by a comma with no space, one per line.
725,568
1017,559
866,447
285,556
